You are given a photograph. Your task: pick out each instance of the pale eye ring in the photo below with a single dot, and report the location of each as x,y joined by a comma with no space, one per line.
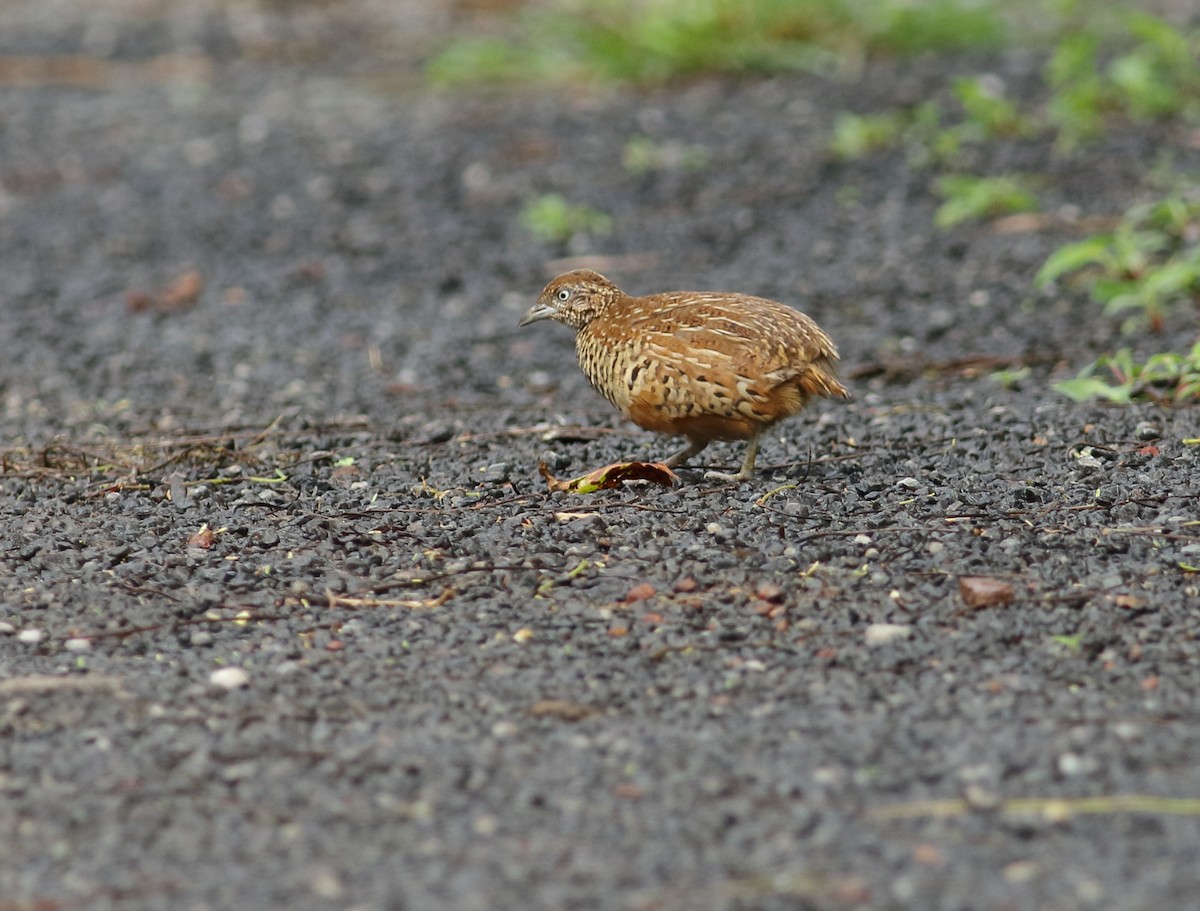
564,294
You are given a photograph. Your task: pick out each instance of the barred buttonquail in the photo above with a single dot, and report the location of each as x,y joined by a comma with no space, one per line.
698,364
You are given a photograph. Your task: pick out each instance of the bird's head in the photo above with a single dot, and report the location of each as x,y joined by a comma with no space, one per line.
574,298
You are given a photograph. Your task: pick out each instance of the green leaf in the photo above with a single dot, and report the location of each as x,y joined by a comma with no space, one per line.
969,196
1088,252
1070,643
551,218
1083,388
856,136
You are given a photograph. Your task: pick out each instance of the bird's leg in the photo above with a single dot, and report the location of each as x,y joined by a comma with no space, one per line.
694,447
745,471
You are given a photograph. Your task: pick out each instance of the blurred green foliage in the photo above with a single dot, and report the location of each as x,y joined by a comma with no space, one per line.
969,197
647,41
551,218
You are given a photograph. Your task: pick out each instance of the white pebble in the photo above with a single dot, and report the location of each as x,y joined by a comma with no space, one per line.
7,628
504,729
1072,764
31,635
1085,459
78,644
879,633
229,678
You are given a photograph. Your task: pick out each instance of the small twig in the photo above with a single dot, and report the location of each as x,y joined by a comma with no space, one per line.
845,533
438,577
354,601
1054,808
1151,532
43,683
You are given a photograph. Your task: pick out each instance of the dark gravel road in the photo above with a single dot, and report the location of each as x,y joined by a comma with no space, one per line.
289,620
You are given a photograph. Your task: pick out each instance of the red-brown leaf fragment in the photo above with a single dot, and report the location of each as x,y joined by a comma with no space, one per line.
982,591
203,538
180,294
562,709
640,593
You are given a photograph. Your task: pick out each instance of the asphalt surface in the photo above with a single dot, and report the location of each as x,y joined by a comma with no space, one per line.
288,618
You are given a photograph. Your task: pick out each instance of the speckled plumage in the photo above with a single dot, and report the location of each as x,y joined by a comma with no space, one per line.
702,365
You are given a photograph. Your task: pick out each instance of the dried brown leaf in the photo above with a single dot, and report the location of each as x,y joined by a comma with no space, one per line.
563,709
610,476
180,294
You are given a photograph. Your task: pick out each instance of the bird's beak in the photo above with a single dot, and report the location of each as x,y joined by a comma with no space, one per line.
536,312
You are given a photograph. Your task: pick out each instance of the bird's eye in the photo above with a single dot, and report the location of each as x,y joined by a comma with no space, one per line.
564,294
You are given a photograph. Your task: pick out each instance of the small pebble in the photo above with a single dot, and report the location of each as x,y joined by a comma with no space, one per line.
979,797
1084,459
1020,871
879,633
6,628
326,884
1072,764
504,729
229,678
31,635
78,644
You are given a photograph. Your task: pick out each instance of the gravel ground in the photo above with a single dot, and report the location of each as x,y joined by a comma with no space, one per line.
289,619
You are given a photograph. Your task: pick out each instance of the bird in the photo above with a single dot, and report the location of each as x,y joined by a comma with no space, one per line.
703,365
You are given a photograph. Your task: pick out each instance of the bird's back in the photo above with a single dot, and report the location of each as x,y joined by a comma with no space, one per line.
707,365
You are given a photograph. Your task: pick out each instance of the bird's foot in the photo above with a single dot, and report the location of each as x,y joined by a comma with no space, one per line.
742,473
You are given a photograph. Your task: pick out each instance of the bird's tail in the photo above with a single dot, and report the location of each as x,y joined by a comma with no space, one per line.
820,378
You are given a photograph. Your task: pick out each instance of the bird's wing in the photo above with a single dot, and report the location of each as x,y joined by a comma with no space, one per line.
749,336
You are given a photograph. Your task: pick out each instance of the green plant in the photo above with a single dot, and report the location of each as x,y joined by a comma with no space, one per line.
552,219
914,28
488,60
989,114
968,197
1011,377
1119,377
917,130
859,135
653,40
1078,94
642,155
1158,76
1149,262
